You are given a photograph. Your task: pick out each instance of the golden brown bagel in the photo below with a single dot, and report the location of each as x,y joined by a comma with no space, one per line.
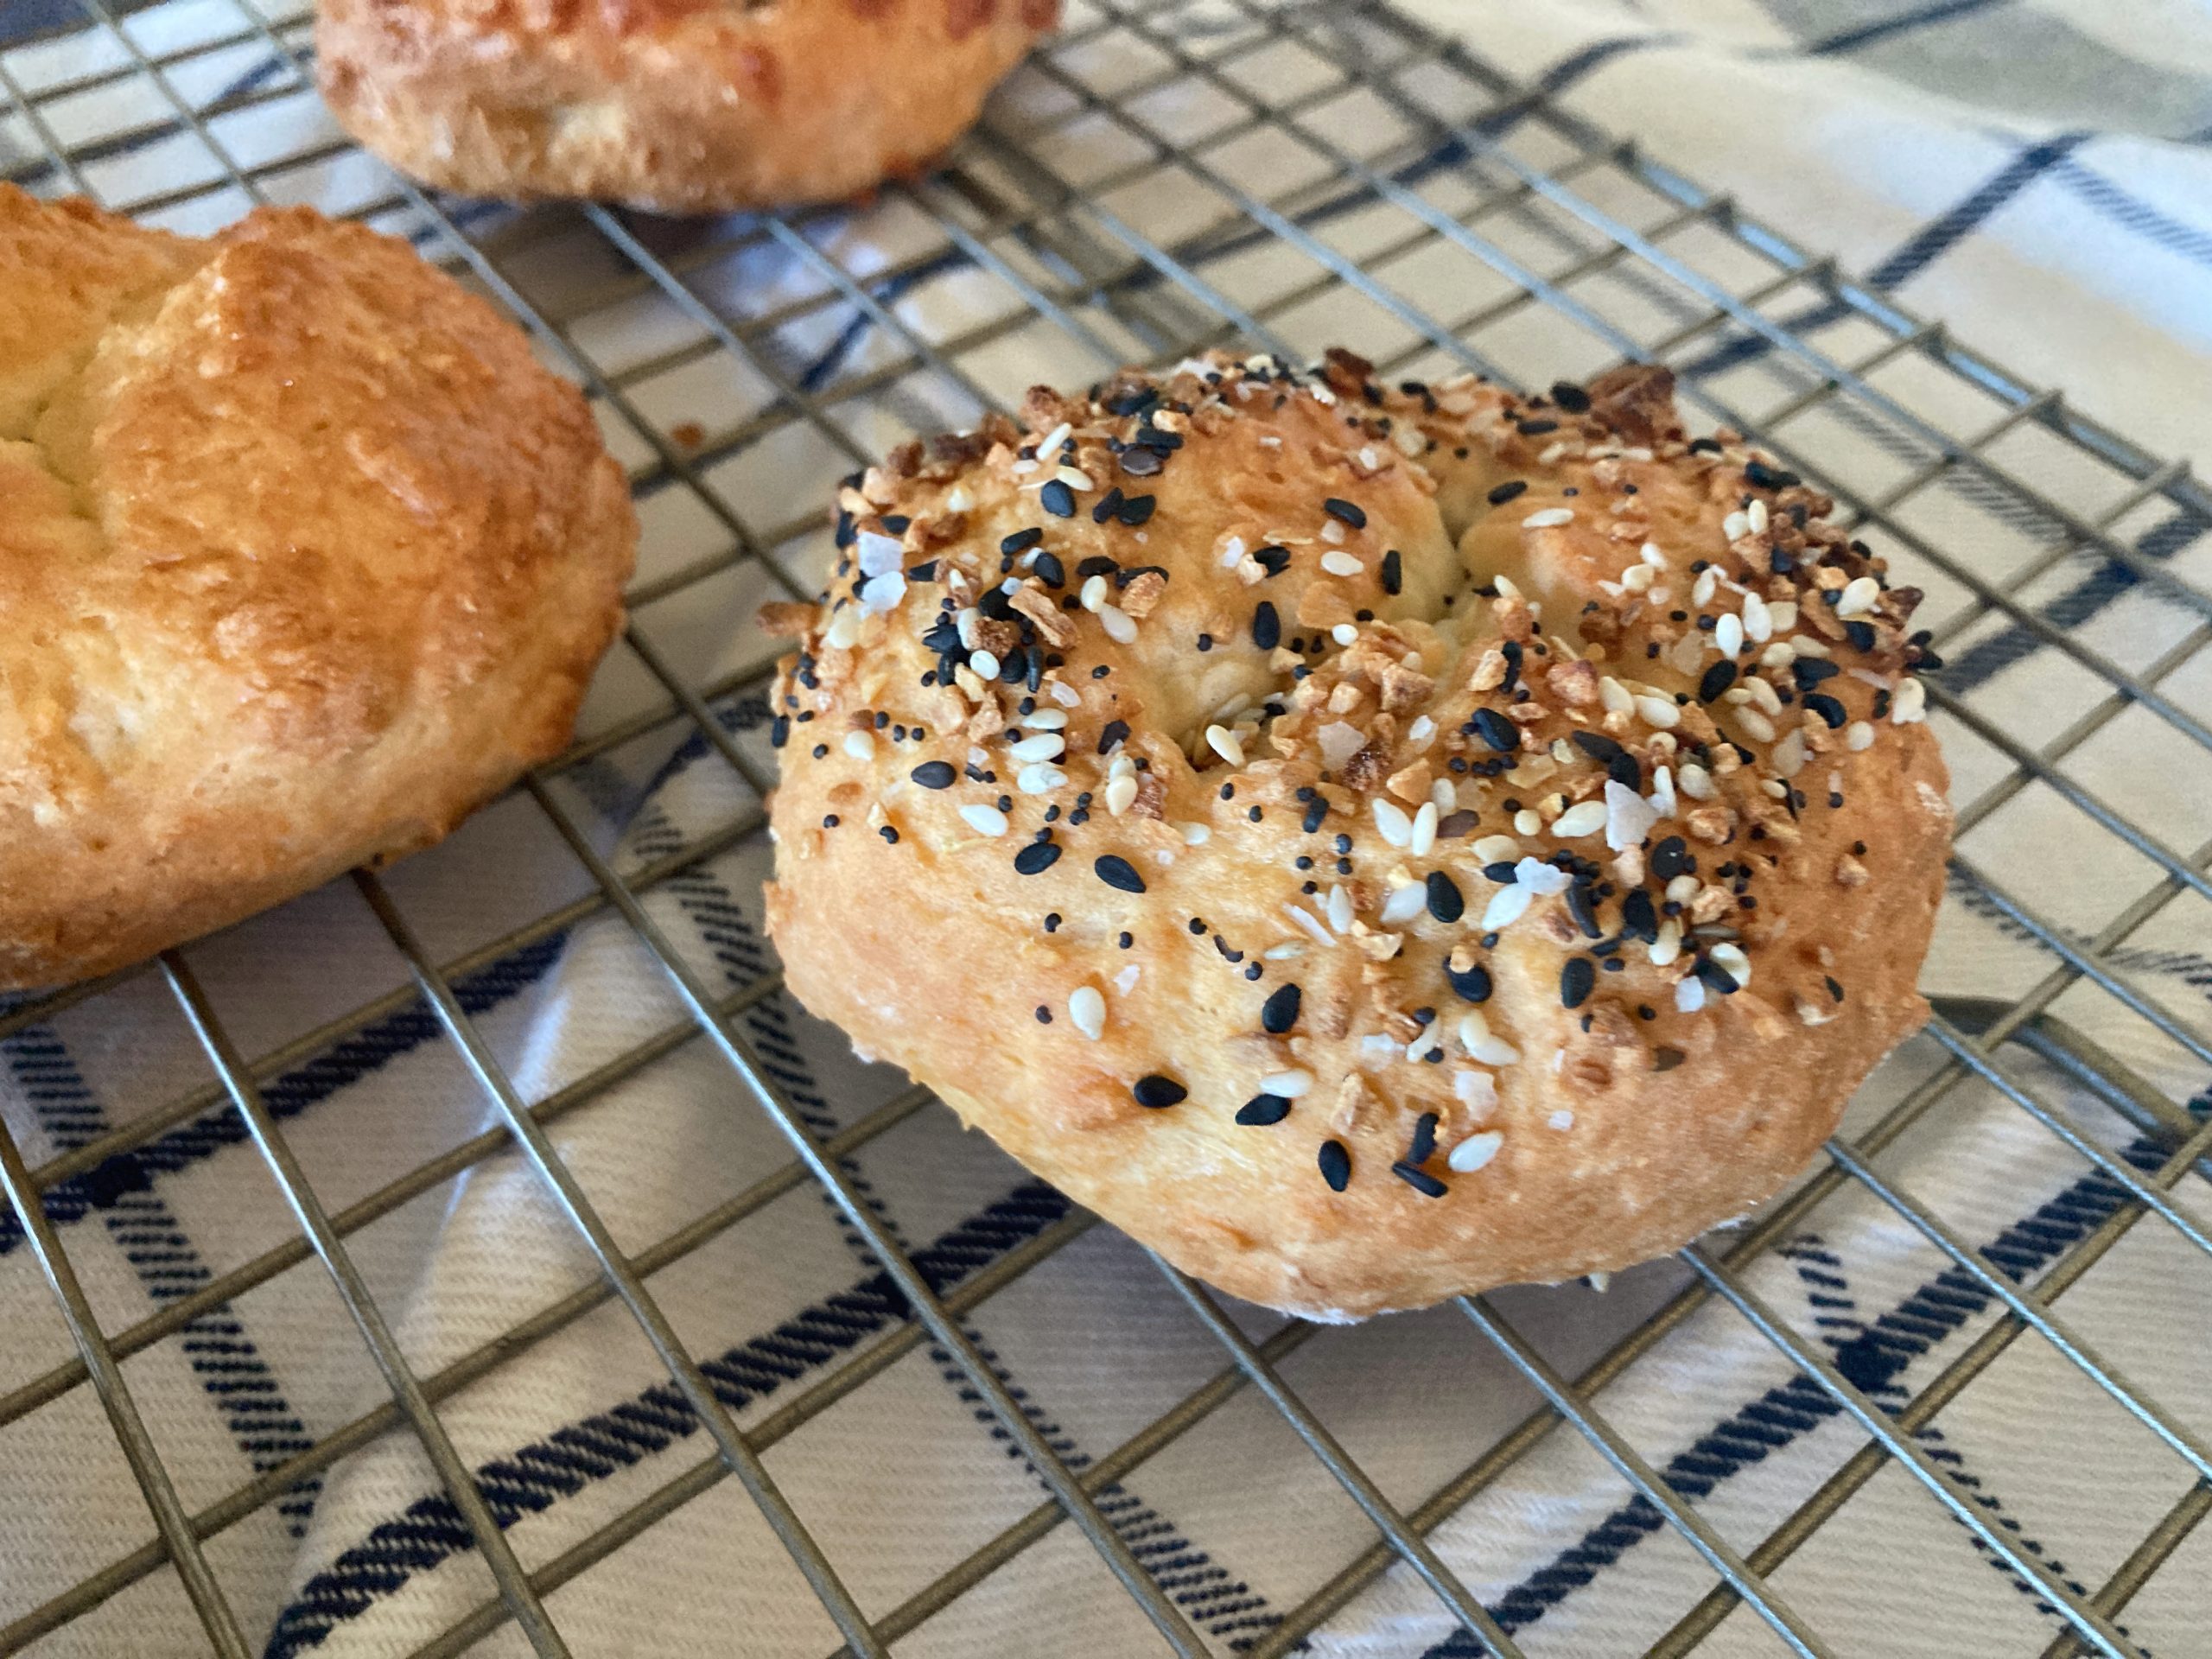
301,556
674,105
1410,701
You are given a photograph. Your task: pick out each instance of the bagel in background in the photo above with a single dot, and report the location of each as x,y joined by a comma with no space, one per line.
302,556
1369,844
678,106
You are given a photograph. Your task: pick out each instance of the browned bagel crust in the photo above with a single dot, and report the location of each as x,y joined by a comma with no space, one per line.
1633,1108
301,553
672,105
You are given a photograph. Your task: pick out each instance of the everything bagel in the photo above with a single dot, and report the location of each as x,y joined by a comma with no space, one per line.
1369,845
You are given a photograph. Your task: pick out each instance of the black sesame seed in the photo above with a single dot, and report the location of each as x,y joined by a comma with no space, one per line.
1577,979
1050,570
1114,731
1057,498
1021,540
1420,1179
1758,474
1716,680
1280,1012
1337,508
1109,505
1044,1015
1597,744
934,774
889,834
1861,634
1497,731
1570,397
1424,1145
1336,1165
1809,671
1670,858
1446,902
1157,1091
1834,989
779,731
1505,492
1117,872
1267,626
1826,708
1393,574
1715,977
1536,428
1623,769
1140,462
1138,509
1036,856
1639,916
1261,1110
1315,812
1583,908
1273,560
1473,984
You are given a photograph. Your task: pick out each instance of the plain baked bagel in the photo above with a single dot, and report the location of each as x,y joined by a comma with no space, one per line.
674,105
301,556
1366,843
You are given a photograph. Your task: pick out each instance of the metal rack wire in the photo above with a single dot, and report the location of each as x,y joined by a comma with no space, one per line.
1613,255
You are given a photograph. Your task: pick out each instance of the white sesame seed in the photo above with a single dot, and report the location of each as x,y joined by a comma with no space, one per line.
1390,818
1121,794
1759,621
1780,654
1682,889
984,820
1122,766
1404,904
1223,742
1045,720
1286,1085
1910,703
1331,532
1506,906
1756,513
985,664
1652,555
1857,596
1789,755
1774,789
1695,781
1087,1008
1583,818
1733,958
1857,735
1806,645
1343,633
1120,626
1472,1153
1551,452
1044,746
1527,823
1422,730
1411,444
1446,797
1637,578
1755,724
1288,951
1040,778
1728,633
1093,593
1341,564
1548,518
1613,696
1658,711
1503,583
843,630
1424,836
1075,477
1498,849
1784,613
1702,589
1307,919
1764,694
860,744
1689,995
1063,693
1669,944
1735,527
1340,909
1051,442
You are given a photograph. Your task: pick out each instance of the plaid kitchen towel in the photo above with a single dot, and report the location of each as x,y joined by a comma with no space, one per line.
2032,173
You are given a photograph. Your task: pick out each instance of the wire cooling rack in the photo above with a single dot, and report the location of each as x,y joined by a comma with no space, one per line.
1161,178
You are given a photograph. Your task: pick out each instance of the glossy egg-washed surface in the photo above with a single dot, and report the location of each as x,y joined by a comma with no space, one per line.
1367,842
